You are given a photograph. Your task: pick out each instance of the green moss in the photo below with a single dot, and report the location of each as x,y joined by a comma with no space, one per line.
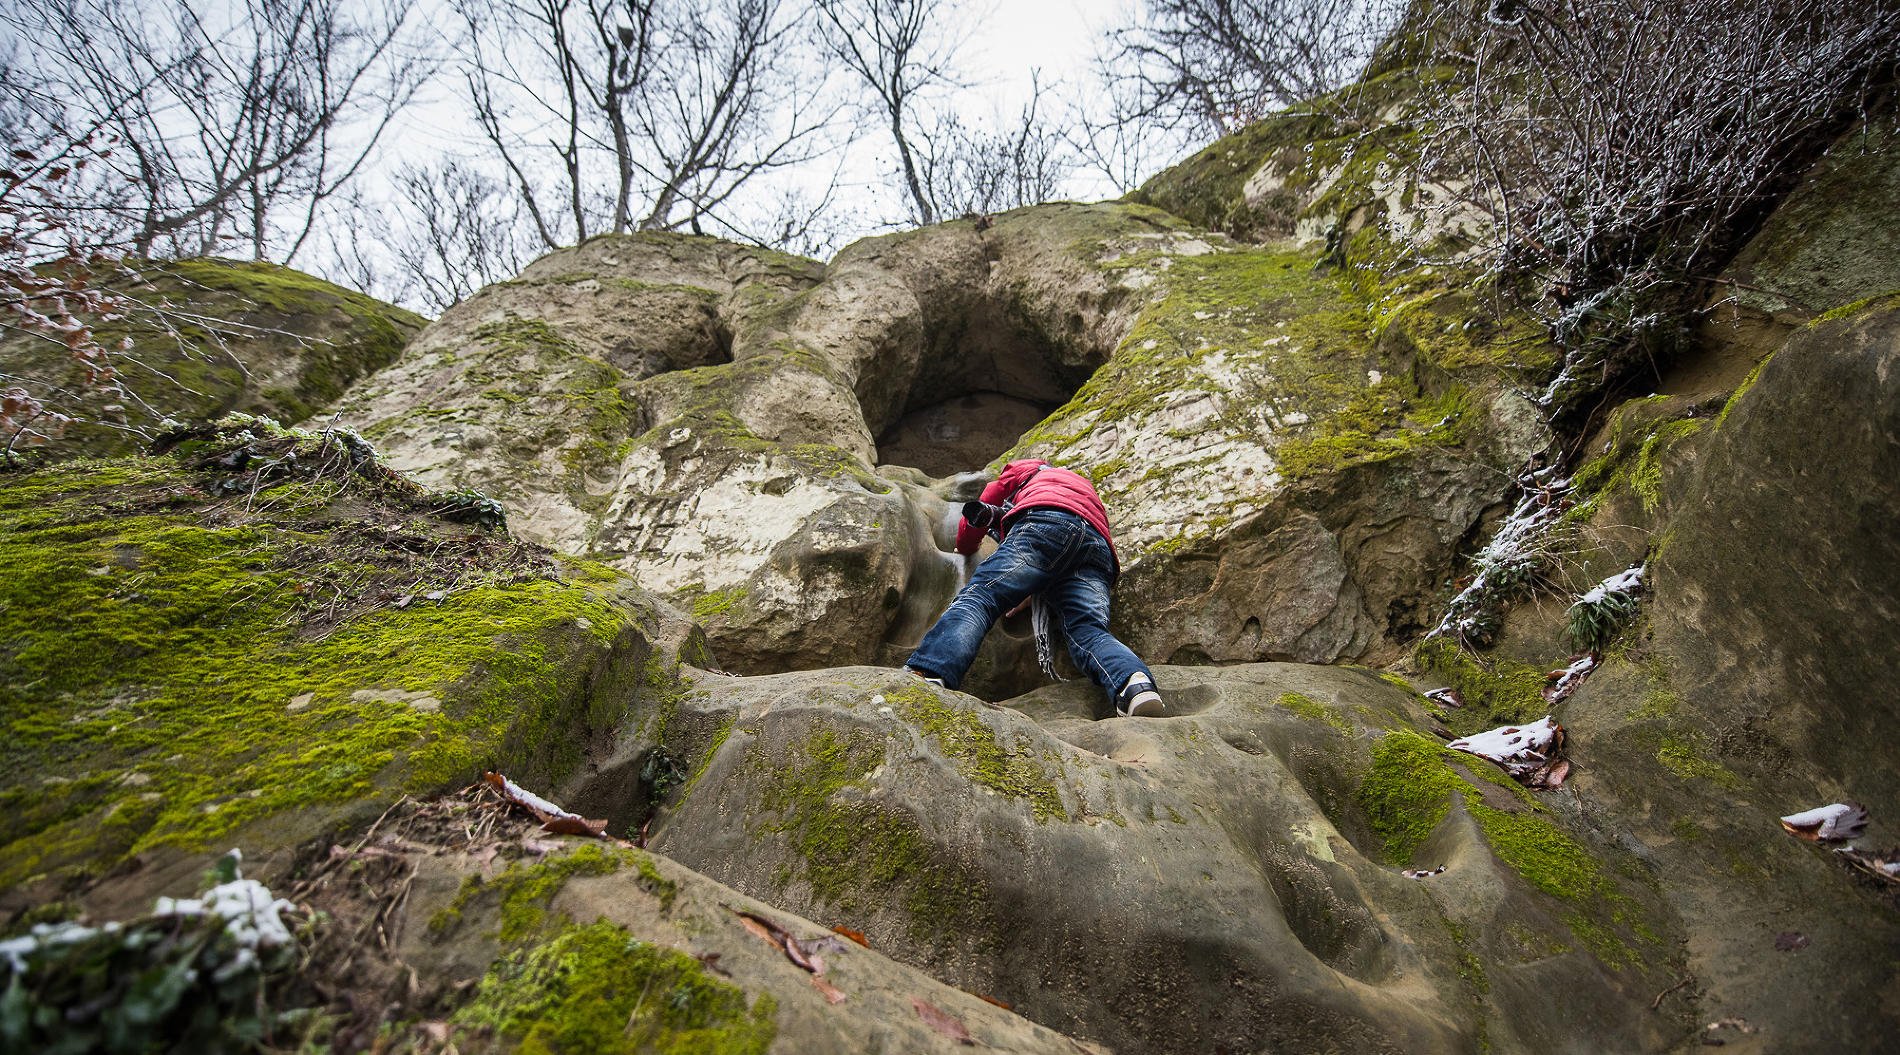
1206,188
157,688
854,851
595,988
215,328
1680,746
1379,422
1409,790
1854,308
524,891
1470,968
1682,756
1741,390
978,754
720,734
1314,711
1638,442
717,602
1495,691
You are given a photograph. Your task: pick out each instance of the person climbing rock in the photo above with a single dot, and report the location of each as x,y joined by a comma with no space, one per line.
1055,549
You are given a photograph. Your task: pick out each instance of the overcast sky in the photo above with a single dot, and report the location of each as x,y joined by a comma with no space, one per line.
1004,41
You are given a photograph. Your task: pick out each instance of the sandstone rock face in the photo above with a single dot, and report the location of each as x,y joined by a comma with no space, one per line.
240,643
1225,879
709,417
221,336
1826,246
599,916
1749,686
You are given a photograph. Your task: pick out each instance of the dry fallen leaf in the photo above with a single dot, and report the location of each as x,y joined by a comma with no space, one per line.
942,1021
553,818
854,935
831,993
993,1000
1447,696
802,953
1881,864
1533,753
1836,822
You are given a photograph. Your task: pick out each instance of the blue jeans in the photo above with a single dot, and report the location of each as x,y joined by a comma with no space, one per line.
1052,553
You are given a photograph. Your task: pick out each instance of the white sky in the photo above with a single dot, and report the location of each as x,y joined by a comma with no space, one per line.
1005,40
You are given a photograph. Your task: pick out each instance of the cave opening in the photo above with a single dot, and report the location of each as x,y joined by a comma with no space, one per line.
985,380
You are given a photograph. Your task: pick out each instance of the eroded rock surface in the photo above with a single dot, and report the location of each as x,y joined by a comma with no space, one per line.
260,636
1231,402
1746,688
1228,878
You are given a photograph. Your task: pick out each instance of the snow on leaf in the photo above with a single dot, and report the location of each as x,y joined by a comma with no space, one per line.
1836,822
942,1021
552,817
1531,753
1447,696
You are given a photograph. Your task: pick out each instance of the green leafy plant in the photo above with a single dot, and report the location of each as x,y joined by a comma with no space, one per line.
1599,615
190,976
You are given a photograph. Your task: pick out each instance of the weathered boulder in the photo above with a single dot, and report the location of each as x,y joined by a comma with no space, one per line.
264,635
1827,244
603,949
1747,687
1224,879
210,337
1220,395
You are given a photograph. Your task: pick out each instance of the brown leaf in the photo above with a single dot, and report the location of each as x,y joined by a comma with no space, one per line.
710,961
758,926
1448,696
854,935
572,825
1836,822
797,955
1881,864
832,994
552,817
992,1000
942,1021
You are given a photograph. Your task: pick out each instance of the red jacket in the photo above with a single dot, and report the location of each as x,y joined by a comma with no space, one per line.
1051,488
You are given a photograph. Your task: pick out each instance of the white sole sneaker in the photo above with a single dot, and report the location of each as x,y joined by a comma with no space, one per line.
1146,704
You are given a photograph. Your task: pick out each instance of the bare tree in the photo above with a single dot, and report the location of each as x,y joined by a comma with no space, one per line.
451,228
231,124
616,115
973,170
900,50
1218,65
1621,148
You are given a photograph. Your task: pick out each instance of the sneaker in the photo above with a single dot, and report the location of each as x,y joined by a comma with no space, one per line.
938,682
1138,699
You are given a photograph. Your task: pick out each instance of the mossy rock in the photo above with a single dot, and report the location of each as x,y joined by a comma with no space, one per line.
212,336
592,947
266,634
1741,691
1251,842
